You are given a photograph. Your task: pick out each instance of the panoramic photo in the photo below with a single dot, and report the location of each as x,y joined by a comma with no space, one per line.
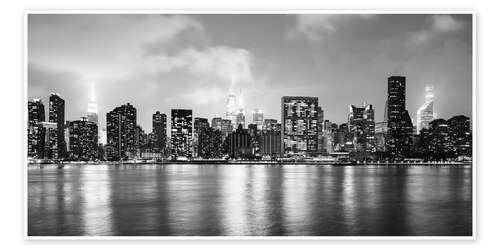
241,125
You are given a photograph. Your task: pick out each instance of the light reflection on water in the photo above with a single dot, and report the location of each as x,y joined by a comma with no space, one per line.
249,200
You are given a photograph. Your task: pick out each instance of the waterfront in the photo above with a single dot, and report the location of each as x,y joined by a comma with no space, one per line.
297,200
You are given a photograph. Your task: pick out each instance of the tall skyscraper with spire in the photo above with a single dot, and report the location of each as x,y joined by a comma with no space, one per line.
425,114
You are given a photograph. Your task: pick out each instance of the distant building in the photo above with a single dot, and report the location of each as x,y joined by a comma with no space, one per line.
160,131
209,143
182,133
226,127
92,107
240,118
461,135
425,114
83,140
200,124
258,118
121,125
270,143
49,132
56,115
36,142
299,119
240,144
231,109
271,125
217,123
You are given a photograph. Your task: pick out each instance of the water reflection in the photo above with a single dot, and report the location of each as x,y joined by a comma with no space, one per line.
249,200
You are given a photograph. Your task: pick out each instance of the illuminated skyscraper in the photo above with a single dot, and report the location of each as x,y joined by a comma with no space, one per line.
36,115
231,109
56,115
182,133
92,106
83,139
160,131
240,118
258,118
425,114
398,122
299,125
121,126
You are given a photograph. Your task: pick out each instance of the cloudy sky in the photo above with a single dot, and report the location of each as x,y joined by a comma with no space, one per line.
160,62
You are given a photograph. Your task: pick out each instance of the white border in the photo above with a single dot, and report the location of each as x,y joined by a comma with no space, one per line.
267,238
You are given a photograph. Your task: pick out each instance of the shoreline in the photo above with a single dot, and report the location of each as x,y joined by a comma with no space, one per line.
316,163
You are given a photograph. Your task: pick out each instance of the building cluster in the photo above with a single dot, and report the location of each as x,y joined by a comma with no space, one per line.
302,132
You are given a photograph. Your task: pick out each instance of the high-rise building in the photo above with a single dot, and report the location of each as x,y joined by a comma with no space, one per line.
240,117
56,115
200,124
160,131
299,129
182,133
209,143
49,132
321,139
92,106
83,139
217,123
425,114
258,118
461,135
36,142
226,127
121,125
231,109
397,136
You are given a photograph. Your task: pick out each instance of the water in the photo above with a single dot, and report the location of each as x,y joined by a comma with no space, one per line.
252,200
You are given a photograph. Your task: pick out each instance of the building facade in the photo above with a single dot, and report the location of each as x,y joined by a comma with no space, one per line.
160,131
397,122
425,114
182,133
56,115
36,136
121,125
83,138
299,129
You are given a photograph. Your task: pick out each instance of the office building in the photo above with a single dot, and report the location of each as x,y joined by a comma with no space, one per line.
57,143
36,142
299,129
258,118
425,114
160,131
182,133
121,125
83,140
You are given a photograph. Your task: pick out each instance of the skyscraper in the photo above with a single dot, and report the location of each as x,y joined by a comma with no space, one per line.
182,133
397,134
258,118
231,109
240,118
299,129
425,114
92,106
56,115
121,125
83,139
217,123
36,115
361,123
160,131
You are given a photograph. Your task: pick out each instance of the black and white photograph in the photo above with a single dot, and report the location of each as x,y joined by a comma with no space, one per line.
236,125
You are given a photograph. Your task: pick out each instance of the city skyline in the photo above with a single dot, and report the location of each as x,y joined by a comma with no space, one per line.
201,51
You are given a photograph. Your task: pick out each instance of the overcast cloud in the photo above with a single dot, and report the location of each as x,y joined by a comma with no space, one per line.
160,62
